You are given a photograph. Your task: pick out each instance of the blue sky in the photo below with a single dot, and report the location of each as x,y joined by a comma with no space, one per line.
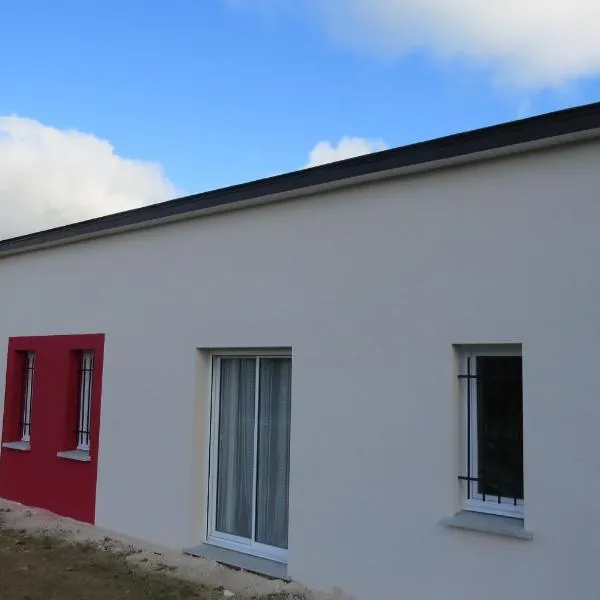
223,91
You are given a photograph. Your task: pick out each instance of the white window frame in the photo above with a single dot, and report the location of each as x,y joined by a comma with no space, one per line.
27,396
219,538
86,378
476,503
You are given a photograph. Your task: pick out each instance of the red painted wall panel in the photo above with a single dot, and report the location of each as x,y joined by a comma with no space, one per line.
39,477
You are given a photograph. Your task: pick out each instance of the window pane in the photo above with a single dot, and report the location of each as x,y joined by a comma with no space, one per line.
273,451
500,426
85,398
27,397
235,460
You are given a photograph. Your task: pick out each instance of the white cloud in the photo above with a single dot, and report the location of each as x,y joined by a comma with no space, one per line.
530,43
347,147
51,177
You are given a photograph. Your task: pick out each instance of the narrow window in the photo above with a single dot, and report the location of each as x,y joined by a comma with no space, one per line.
250,444
85,396
28,372
491,384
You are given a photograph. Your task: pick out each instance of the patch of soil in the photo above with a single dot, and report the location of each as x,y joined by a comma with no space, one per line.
44,567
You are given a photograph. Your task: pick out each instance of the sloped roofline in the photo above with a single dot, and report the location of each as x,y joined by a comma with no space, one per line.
564,126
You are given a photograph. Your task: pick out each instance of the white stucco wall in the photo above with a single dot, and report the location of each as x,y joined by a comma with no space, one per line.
371,287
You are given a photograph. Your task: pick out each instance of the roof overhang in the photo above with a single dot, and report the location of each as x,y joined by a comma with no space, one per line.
527,135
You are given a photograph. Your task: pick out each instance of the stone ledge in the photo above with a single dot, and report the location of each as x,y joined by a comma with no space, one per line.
21,446
254,564
80,455
493,524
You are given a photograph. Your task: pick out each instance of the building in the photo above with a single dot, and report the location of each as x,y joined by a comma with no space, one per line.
379,374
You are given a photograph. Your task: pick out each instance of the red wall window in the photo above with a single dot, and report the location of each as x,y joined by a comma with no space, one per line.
82,380
51,424
19,397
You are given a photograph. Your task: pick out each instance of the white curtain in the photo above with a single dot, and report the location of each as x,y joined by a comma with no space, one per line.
273,462
236,476
235,461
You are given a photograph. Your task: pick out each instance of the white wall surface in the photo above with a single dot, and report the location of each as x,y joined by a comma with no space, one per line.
371,287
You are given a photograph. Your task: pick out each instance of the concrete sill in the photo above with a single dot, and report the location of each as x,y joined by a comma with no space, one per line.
493,524
240,560
21,446
80,455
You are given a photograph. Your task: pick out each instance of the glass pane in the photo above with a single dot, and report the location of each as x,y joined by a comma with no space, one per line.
85,400
235,460
500,426
275,384
27,397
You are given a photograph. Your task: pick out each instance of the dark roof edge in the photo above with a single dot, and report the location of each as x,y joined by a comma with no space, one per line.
524,132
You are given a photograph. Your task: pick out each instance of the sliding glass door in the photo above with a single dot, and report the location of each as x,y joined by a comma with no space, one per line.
249,457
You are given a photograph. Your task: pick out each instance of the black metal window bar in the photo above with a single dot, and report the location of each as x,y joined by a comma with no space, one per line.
86,371
495,411
28,372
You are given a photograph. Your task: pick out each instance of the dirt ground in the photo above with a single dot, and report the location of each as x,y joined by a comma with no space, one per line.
46,567
45,557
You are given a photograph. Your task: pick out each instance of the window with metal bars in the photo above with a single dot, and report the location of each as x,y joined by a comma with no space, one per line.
86,370
28,373
491,390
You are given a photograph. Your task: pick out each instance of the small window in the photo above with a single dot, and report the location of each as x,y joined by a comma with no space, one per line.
28,372
491,390
86,370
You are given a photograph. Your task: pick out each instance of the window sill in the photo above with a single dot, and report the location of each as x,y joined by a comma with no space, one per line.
240,560
79,455
493,524
21,446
